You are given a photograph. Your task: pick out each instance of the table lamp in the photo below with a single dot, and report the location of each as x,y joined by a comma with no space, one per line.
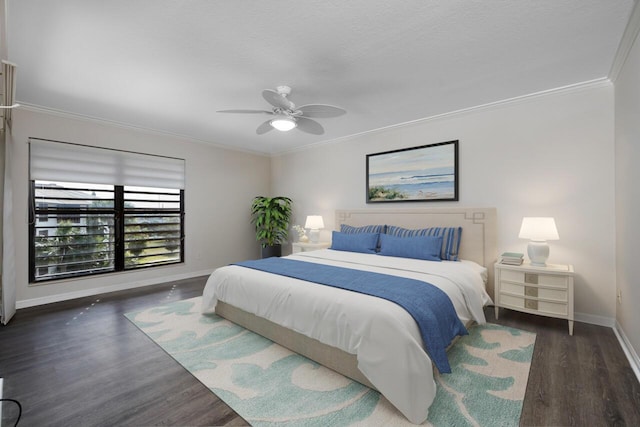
538,230
314,224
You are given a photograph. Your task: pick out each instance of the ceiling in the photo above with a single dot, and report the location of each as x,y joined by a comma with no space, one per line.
169,65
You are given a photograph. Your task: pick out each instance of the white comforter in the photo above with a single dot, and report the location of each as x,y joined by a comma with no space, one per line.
383,336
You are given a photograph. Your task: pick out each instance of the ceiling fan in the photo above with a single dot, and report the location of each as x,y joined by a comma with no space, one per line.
287,116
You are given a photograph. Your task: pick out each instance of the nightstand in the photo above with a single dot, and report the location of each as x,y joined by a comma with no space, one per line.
546,291
306,247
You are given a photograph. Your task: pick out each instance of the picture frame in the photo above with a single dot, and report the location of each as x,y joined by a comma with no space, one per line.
428,173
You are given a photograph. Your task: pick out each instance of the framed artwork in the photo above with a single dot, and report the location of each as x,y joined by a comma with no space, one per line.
419,174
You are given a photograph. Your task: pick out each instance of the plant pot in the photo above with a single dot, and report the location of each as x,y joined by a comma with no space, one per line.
271,251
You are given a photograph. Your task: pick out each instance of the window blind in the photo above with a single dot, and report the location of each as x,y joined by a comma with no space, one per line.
67,162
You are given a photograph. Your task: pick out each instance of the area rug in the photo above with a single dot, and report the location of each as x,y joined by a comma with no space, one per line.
269,385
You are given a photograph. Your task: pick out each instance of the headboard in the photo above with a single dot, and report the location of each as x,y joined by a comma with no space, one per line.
479,232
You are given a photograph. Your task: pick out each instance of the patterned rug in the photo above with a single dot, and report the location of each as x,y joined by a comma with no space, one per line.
269,385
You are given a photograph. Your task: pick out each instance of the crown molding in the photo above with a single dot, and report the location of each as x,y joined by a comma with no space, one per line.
573,88
81,117
626,43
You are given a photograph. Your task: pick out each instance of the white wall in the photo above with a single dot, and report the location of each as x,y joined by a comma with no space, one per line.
546,155
627,157
220,185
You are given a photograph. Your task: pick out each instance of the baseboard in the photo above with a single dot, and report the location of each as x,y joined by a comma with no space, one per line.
593,319
32,302
628,349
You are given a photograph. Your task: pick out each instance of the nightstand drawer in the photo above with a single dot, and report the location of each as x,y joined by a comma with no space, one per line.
511,301
534,291
553,308
514,302
535,278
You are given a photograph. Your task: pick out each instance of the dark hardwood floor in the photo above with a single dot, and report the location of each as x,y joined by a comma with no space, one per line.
82,363
579,380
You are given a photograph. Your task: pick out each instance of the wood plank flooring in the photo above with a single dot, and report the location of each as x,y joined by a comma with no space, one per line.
82,363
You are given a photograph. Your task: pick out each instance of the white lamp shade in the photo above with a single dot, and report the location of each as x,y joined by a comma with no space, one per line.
538,229
314,222
283,124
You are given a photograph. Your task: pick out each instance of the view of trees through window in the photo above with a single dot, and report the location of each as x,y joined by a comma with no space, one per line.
80,229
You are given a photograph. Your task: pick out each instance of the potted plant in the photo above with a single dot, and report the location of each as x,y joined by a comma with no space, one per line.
271,215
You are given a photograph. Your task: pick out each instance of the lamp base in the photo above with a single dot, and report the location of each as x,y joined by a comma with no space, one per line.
538,253
314,235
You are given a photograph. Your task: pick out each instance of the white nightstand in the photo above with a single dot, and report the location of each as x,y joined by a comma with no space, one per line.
305,247
547,291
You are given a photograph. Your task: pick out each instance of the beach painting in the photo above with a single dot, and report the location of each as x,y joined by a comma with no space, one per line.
417,174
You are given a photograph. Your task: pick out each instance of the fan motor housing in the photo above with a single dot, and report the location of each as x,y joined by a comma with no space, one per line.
283,90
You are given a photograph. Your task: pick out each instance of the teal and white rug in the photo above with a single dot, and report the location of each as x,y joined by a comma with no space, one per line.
269,385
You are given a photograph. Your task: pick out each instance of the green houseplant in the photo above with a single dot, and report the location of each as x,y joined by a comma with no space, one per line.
271,215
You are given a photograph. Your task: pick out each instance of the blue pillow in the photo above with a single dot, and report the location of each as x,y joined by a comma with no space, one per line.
359,242
418,247
450,238
350,229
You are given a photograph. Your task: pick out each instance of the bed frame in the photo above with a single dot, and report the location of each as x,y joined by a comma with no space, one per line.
478,243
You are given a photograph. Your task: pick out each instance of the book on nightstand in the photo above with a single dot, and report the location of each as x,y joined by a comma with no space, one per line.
511,258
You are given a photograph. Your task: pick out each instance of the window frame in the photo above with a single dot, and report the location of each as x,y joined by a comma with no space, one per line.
119,213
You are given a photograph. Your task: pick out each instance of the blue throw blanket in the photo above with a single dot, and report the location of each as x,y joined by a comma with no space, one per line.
430,307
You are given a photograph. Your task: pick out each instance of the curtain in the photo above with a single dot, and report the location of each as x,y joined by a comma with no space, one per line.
8,241
8,289
9,88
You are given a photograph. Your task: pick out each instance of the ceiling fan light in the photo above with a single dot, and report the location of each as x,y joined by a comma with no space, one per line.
283,124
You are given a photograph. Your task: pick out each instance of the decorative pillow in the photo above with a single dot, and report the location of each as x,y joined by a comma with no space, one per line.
450,238
349,229
355,242
419,247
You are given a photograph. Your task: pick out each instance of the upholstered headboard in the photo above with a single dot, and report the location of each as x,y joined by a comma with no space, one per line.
479,233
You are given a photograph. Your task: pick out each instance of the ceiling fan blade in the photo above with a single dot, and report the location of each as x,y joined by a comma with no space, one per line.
321,110
277,100
245,111
309,126
264,128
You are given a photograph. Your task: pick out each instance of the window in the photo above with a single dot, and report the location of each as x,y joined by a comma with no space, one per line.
152,226
78,235
82,236
96,226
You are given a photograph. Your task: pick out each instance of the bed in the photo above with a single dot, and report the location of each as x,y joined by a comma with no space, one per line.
366,338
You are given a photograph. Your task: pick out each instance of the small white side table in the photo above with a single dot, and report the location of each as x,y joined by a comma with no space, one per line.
308,246
545,291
